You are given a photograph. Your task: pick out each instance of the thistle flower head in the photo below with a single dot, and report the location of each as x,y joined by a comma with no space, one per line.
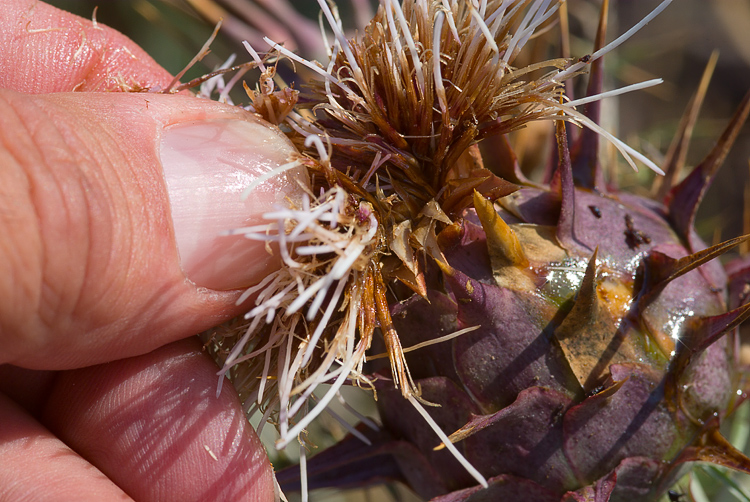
387,133
425,82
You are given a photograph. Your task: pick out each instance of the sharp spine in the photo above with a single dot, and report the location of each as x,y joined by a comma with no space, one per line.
683,200
587,171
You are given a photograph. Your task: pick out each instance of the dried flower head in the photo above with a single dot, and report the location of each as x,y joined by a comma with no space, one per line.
387,135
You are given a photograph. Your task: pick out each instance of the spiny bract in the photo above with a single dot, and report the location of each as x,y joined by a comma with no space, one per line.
592,355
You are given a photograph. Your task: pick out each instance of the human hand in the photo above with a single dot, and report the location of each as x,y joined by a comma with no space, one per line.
110,208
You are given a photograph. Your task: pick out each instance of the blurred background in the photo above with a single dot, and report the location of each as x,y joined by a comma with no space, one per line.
675,46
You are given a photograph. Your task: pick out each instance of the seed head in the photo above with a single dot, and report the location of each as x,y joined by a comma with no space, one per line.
387,134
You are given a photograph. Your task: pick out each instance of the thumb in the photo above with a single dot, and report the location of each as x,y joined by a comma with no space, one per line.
112,206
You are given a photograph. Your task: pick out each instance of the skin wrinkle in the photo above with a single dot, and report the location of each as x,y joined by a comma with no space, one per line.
62,219
44,468
100,40
99,62
156,417
80,55
33,243
14,263
164,305
59,47
108,59
146,212
125,220
89,58
121,221
108,222
222,488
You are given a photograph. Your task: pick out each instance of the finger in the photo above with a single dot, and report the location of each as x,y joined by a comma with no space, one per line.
47,50
38,466
154,425
112,207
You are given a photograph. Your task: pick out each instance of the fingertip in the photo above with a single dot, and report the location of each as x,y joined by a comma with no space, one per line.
42,466
154,425
109,230
45,49
208,165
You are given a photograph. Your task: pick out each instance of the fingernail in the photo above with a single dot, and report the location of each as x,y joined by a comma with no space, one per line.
207,166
